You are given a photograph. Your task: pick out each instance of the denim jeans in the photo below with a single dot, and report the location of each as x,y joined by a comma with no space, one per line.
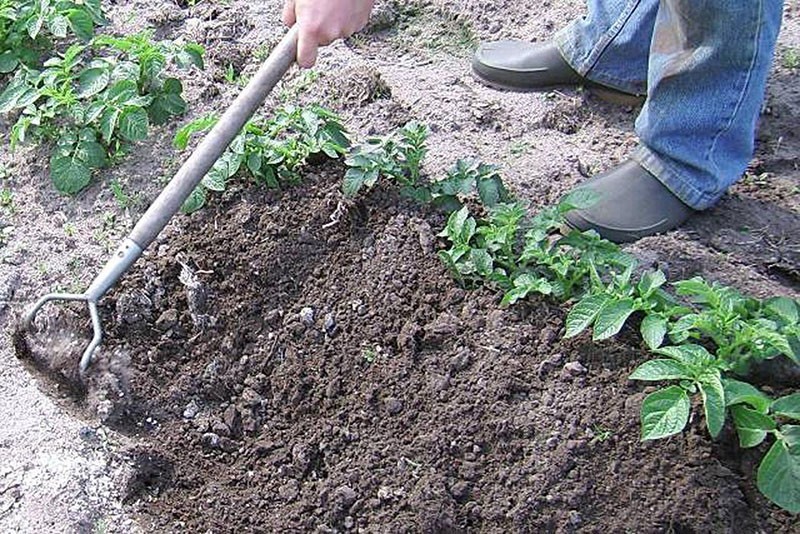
703,65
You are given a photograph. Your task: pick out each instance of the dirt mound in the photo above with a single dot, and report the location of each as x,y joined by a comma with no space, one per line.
341,380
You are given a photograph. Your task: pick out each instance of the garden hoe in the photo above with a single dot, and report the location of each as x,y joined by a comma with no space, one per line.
155,218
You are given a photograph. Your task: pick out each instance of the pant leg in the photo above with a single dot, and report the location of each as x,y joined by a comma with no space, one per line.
708,69
611,44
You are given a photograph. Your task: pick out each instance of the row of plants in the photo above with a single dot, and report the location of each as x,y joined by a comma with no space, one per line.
87,96
271,151
703,337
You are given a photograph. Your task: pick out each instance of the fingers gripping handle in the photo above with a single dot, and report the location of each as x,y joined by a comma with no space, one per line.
216,142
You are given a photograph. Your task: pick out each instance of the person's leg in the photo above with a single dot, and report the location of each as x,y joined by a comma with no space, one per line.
607,48
610,46
708,68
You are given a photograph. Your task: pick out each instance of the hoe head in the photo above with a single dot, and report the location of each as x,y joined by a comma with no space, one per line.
97,329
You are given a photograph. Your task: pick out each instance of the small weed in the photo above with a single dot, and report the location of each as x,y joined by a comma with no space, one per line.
600,434
369,355
7,201
519,147
122,198
791,58
230,74
69,229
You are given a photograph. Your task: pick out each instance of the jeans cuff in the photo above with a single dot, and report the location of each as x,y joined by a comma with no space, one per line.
565,40
673,180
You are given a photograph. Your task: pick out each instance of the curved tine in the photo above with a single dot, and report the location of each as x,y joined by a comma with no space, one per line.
88,354
31,315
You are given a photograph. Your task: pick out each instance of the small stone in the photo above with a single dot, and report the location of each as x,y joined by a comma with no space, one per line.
552,442
87,433
210,440
273,317
330,325
460,361
345,495
289,491
251,397
460,491
191,410
575,518
233,420
349,522
575,369
167,320
307,316
393,406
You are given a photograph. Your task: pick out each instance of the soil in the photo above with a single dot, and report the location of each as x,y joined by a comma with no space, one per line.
294,361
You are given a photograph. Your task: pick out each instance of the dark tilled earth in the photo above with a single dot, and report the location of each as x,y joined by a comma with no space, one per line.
322,377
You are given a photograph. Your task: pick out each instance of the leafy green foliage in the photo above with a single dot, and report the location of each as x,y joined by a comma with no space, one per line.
96,98
705,335
398,157
28,28
272,151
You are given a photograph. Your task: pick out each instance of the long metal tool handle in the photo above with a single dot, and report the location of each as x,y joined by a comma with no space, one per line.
216,142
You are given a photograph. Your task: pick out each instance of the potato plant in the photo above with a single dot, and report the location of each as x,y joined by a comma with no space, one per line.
704,336
93,100
271,151
28,27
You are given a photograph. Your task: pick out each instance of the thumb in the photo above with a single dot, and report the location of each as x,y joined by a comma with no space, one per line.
289,17
306,50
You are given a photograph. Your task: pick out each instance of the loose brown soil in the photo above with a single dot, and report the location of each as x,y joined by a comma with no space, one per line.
333,377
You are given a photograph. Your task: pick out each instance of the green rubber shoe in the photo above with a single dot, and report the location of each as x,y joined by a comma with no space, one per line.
633,204
522,66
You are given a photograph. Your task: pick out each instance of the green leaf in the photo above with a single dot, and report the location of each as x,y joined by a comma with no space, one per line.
661,369
779,477
92,81
690,354
133,124
353,182
58,26
184,134
784,308
81,24
791,436
665,413
611,318
492,191
69,175
11,95
650,282
108,123
713,401
580,199
34,25
195,201
751,426
91,153
737,392
8,62
788,406
584,313
653,329
482,261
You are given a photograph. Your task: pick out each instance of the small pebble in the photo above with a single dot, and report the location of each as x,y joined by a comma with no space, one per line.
191,410
575,368
307,316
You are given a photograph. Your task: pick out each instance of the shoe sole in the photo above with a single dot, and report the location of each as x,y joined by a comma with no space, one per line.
606,94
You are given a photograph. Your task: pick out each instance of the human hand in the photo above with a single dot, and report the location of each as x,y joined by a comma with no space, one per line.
323,21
